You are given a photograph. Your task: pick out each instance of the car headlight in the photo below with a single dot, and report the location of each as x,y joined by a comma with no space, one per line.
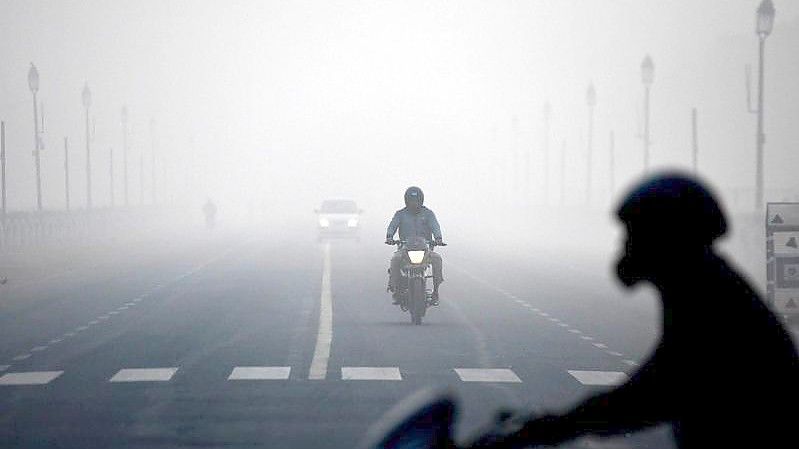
352,222
416,256
324,222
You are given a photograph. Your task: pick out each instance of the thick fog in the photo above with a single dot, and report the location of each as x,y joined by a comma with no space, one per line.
270,107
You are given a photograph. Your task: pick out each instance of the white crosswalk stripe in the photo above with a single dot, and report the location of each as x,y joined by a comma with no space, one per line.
29,378
260,373
599,377
487,375
144,375
370,373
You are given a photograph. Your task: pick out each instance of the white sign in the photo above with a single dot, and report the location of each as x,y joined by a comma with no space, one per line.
786,301
782,215
786,243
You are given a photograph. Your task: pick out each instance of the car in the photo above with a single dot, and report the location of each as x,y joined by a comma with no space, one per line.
338,218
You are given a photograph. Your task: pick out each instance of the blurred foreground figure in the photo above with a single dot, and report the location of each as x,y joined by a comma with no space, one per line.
209,210
725,372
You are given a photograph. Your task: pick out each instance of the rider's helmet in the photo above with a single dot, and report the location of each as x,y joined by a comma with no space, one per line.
671,220
673,206
414,197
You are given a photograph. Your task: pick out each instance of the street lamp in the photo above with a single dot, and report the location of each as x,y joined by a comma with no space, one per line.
764,25
86,96
590,100
125,151
647,77
33,84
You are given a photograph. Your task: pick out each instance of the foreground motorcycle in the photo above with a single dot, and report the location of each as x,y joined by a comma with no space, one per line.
415,292
425,421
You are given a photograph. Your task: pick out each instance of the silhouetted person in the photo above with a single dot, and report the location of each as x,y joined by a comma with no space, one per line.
725,372
209,210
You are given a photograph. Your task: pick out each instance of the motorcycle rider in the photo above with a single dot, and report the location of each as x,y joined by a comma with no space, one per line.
724,372
414,220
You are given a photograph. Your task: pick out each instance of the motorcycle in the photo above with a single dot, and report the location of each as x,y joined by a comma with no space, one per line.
416,293
425,421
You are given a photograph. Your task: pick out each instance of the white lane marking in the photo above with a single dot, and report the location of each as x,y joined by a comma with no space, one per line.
370,373
575,331
599,377
324,336
630,362
144,375
563,325
81,328
554,320
586,337
29,378
135,300
544,314
617,354
130,304
536,309
4,367
21,357
600,345
69,334
113,312
102,317
260,373
122,308
487,375
93,322
38,348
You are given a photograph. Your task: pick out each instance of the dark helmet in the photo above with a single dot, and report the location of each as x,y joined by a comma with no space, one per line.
414,192
673,207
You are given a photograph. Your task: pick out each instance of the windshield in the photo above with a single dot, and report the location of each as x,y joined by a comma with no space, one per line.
339,207
202,217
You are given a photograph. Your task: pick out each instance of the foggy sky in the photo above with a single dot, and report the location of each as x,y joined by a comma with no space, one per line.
290,102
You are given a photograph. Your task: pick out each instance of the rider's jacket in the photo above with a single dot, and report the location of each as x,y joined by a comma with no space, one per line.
421,224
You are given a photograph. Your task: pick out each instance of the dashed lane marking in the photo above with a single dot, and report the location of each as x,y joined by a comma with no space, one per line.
260,373
600,345
144,375
587,338
370,373
617,354
55,340
487,375
21,357
324,336
575,331
599,377
38,348
29,378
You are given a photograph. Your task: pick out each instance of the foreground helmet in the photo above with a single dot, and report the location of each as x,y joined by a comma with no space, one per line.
675,208
414,193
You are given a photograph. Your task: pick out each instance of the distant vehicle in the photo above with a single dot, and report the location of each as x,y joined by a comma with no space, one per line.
339,218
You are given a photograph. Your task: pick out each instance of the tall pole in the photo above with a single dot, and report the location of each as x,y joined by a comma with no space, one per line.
125,152
761,136
547,115
694,142
88,164
612,165
111,174
66,172
152,159
591,102
646,129
563,174
3,165
36,147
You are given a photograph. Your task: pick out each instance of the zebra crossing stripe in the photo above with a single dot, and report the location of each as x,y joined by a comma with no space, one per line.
599,377
487,375
260,373
370,373
29,378
144,375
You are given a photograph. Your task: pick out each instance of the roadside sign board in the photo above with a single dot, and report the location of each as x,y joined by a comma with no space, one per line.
782,257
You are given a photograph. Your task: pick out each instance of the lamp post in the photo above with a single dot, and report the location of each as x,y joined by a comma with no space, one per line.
590,100
547,117
125,152
66,172
86,96
647,77
33,84
765,23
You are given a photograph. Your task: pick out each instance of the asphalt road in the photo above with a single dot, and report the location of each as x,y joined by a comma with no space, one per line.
258,340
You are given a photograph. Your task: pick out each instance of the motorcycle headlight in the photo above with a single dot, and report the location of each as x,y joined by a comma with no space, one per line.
324,222
416,256
352,222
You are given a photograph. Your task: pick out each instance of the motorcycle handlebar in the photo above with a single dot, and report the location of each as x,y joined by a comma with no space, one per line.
402,242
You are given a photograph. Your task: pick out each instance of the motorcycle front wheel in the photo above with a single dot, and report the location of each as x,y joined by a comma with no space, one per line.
416,300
